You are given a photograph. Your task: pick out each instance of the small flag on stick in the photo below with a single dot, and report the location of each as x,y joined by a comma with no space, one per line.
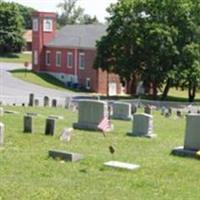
104,125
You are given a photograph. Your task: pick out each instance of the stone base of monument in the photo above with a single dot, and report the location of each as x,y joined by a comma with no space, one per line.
55,117
90,127
122,118
64,155
180,151
137,135
121,165
11,112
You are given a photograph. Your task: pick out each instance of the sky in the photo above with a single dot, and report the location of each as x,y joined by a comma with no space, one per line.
92,7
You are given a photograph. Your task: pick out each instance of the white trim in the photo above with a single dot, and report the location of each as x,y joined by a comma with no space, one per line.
35,57
50,24
35,24
46,60
58,53
81,55
88,83
70,53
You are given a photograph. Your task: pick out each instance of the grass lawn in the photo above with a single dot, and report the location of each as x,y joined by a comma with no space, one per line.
26,172
16,58
44,80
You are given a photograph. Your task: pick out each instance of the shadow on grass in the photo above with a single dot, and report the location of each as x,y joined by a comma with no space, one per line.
9,55
47,78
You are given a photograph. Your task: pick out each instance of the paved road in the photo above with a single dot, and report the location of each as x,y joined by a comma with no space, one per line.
13,90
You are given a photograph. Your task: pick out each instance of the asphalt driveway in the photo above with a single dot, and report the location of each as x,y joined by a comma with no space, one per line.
13,90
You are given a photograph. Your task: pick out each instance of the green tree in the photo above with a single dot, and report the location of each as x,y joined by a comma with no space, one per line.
26,13
11,28
71,13
146,39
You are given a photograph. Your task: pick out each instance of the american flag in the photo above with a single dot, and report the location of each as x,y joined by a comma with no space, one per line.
104,124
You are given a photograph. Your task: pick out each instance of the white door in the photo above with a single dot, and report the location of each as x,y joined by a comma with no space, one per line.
112,88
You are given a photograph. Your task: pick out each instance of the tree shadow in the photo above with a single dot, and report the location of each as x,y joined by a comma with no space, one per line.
9,55
49,79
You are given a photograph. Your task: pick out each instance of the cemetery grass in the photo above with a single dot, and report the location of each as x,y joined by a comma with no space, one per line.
41,79
26,171
15,58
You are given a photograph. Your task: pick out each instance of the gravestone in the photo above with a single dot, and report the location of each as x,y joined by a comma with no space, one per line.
66,134
148,110
46,101
121,165
55,117
163,110
142,125
192,137
54,103
64,155
37,103
31,99
133,109
28,124
50,127
68,101
90,115
122,111
178,113
2,129
1,111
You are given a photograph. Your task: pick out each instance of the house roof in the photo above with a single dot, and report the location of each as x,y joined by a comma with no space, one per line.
28,36
79,36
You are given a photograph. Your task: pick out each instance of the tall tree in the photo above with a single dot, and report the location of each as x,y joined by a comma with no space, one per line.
71,13
11,28
26,13
146,39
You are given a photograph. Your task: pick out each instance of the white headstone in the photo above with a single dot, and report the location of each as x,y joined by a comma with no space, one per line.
90,114
121,165
122,111
192,132
1,111
143,125
66,134
2,129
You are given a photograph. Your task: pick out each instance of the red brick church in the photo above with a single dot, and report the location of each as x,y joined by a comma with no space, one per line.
68,54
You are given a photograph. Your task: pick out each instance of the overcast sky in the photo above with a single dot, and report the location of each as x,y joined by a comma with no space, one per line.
92,7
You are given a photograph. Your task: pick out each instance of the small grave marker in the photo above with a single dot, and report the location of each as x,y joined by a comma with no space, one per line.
121,165
2,129
1,111
66,134
28,124
50,127
64,155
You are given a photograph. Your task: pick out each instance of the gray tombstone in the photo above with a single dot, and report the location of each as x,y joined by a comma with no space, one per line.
192,134
54,103
178,113
122,111
37,103
68,101
148,110
192,137
28,124
133,109
46,101
90,114
142,125
1,111
64,155
50,126
31,99
2,129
